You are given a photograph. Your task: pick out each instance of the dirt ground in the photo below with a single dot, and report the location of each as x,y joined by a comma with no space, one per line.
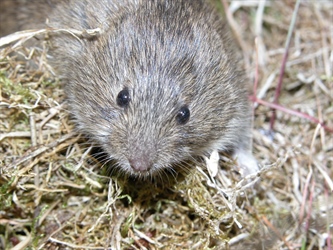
55,195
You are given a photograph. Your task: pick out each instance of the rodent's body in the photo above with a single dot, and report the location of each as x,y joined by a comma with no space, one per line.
157,86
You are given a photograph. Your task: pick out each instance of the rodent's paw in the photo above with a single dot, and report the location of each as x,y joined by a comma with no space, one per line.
246,162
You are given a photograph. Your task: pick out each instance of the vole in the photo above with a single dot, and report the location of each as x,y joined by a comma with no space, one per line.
158,86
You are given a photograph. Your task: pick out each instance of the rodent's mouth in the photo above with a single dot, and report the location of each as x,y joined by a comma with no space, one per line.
120,167
159,174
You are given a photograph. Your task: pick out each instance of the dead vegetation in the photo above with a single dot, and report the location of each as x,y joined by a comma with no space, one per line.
54,195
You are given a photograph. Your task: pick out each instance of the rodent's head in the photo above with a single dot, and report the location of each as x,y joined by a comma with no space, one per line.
153,99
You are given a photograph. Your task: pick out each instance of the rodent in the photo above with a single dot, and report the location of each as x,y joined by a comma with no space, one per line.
158,86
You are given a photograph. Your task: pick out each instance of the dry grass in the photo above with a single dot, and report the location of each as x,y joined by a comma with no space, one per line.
53,195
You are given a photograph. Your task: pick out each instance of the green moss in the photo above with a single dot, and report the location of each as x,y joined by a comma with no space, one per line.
15,91
5,193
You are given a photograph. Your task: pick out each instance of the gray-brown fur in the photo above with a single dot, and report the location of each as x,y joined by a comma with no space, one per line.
167,53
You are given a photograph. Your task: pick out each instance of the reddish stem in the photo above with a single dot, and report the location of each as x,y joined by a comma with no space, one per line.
310,202
278,88
284,62
275,106
329,237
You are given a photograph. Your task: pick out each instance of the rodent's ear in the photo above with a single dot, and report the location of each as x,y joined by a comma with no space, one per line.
183,115
123,98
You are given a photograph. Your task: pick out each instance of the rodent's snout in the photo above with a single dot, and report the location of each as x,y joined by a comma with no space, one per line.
141,157
140,163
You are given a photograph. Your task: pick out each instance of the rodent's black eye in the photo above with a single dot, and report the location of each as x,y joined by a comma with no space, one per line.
123,98
183,115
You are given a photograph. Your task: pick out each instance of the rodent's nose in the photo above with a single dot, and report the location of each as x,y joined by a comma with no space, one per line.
140,164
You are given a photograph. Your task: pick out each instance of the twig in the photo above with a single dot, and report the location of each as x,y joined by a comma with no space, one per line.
284,61
305,195
329,233
291,112
274,229
310,203
236,30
